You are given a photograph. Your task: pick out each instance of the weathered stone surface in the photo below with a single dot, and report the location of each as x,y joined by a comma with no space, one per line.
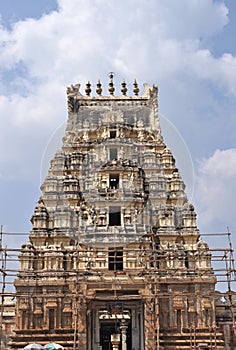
114,238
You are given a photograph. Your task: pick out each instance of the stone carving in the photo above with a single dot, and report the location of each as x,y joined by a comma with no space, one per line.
114,226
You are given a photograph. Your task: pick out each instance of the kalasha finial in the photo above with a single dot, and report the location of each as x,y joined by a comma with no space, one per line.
88,88
111,85
123,88
99,88
136,88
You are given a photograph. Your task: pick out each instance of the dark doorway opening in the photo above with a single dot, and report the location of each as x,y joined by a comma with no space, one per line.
112,134
179,320
109,327
51,318
114,216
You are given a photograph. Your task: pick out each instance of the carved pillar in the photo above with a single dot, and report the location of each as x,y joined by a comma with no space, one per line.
81,323
123,328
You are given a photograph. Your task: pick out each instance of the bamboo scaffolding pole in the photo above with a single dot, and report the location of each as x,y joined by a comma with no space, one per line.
114,279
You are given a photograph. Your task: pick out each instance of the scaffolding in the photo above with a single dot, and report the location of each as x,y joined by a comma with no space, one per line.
223,269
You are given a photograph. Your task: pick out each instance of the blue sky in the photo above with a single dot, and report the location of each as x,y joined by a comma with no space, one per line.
15,10
186,47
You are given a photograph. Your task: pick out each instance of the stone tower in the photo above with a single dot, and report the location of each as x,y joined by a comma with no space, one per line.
115,259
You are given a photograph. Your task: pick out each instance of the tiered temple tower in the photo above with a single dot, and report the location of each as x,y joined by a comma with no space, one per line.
115,259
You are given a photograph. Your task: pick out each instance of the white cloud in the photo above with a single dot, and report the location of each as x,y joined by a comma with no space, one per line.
216,190
26,123
86,35
222,164
162,42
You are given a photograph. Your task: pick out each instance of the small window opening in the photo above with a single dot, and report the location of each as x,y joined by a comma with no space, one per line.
102,221
114,216
115,259
186,262
113,153
114,180
64,262
112,134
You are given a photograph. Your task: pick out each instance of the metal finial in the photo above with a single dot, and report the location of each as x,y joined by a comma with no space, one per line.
88,88
111,75
136,89
99,88
111,85
123,88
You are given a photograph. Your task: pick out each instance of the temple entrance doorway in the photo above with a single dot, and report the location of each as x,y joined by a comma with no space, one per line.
108,328
110,321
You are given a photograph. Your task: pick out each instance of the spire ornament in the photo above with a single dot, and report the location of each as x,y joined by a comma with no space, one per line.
111,84
99,88
136,88
88,88
123,88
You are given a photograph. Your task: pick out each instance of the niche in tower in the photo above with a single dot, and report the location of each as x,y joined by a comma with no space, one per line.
114,181
112,134
113,153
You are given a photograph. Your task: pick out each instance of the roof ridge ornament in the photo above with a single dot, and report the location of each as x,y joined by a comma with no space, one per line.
136,88
88,88
123,88
99,88
111,84
74,94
